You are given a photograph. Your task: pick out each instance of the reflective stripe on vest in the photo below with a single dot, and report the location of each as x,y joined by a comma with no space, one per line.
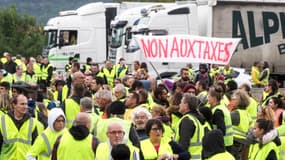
228,137
47,154
195,147
110,75
240,131
257,153
149,151
13,140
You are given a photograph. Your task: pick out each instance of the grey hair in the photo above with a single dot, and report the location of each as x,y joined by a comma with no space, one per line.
120,88
138,110
104,94
86,102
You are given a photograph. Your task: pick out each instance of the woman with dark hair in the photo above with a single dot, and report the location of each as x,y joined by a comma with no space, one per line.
242,122
158,147
260,151
277,105
269,91
221,115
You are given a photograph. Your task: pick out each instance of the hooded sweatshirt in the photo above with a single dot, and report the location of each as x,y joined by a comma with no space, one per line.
40,146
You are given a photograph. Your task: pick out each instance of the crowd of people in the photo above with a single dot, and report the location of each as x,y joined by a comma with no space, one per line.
110,112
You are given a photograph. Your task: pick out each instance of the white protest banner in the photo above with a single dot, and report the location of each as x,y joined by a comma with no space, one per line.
187,48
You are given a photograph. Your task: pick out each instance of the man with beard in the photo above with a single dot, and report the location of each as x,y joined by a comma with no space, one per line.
184,77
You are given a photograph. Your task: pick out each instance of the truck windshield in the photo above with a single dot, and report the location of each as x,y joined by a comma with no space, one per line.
50,38
117,36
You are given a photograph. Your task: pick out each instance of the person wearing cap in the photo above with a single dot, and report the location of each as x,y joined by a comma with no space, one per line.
190,88
116,135
121,68
115,113
18,130
76,143
42,148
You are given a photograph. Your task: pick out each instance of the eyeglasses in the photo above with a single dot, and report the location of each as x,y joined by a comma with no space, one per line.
116,132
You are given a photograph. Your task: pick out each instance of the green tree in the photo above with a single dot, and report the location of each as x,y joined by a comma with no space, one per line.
19,34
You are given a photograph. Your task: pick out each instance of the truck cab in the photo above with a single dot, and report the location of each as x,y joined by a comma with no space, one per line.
79,33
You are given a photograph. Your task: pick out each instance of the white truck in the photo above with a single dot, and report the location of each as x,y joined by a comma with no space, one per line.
122,25
79,33
260,24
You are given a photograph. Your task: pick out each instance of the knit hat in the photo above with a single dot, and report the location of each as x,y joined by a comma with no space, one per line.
188,86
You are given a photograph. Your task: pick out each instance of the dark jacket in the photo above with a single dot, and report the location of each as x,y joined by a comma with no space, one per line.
213,143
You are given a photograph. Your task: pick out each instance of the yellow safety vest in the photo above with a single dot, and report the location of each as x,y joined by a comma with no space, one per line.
110,75
175,119
44,71
16,143
8,78
64,93
122,73
102,125
69,148
103,151
245,123
220,156
168,132
94,120
44,144
87,67
252,108
255,74
20,63
71,109
195,147
282,148
22,78
31,79
256,153
37,70
149,152
228,138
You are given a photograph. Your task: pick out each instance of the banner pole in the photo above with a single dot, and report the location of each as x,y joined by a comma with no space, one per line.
159,76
